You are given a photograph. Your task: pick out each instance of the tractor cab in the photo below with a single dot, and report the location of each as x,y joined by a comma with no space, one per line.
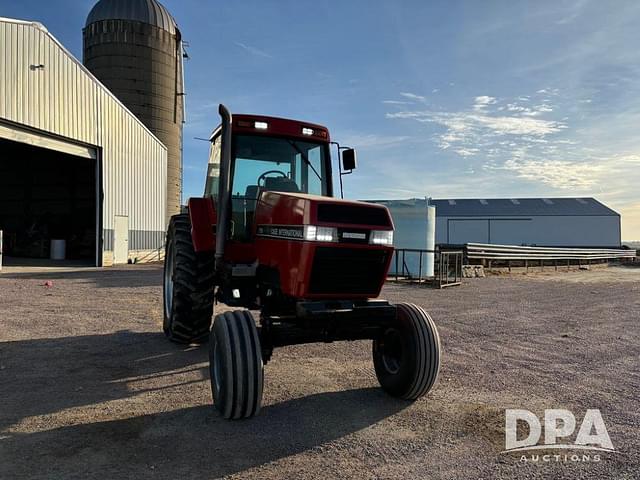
268,154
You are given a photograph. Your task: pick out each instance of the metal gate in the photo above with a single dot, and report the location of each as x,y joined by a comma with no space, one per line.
448,267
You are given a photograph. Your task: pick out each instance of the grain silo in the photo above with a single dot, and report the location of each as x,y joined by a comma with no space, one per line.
134,47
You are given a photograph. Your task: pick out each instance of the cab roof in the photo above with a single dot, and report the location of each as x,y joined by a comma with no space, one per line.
274,126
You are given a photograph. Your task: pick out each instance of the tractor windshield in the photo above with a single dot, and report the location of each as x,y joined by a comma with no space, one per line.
277,164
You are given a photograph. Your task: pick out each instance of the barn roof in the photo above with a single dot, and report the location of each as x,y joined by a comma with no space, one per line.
495,207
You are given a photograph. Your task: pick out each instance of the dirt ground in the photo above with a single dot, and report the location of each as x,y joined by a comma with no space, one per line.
90,388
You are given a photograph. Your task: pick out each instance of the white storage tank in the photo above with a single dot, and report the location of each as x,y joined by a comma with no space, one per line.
415,228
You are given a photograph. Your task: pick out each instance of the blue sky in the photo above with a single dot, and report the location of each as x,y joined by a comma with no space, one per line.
443,99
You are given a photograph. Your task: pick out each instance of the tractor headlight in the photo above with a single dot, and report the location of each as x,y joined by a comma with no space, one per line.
381,237
313,233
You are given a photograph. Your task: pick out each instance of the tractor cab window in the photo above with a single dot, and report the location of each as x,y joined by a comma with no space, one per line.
276,164
306,166
213,169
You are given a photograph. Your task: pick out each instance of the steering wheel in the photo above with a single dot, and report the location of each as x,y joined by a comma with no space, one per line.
263,177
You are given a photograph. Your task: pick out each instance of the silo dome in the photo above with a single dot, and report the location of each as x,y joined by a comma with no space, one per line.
145,11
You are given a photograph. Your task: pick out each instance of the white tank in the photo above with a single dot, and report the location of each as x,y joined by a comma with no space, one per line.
431,241
415,226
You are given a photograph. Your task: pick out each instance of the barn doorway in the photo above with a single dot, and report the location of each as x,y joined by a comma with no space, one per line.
49,212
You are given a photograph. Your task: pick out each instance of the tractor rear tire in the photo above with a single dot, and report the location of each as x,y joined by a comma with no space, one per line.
188,285
406,357
235,365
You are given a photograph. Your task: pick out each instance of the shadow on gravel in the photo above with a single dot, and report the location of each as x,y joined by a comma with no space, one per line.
47,375
194,442
112,277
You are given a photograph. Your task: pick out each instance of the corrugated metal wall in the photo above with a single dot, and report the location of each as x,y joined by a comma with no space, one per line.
44,87
550,231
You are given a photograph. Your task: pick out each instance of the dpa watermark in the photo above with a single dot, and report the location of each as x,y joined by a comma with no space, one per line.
558,425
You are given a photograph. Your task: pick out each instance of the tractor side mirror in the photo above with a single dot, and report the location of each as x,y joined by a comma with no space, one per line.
349,160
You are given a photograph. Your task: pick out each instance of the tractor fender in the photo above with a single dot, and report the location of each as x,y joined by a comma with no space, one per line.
202,214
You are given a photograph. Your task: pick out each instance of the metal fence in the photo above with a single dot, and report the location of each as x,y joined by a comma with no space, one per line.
409,266
508,254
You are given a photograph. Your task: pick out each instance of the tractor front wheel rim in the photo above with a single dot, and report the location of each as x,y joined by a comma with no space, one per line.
391,346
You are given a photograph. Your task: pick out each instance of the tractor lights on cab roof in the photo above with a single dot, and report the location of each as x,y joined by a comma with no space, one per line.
282,128
308,131
258,124
381,237
320,234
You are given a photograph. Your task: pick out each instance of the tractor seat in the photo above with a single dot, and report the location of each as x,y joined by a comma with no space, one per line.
281,184
252,192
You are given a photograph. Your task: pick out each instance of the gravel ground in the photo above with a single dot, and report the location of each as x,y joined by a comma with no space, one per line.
89,387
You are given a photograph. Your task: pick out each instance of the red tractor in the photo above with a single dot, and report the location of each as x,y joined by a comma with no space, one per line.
268,235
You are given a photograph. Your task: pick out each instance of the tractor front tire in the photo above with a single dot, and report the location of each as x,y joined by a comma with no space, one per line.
188,285
235,365
406,356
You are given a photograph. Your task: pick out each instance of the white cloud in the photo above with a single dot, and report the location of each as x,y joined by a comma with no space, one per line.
584,175
519,126
253,50
414,97
555,173
483,101
466,152
370,141
395,102
471,122
544,108
548,91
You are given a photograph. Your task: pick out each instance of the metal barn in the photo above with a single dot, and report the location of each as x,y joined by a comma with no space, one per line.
548,222
75,164
552,222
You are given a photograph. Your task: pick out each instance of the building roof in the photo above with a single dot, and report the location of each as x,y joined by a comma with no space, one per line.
81,67
145,11
517,207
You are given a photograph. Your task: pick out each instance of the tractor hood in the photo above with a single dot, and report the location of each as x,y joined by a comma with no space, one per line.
285,208
343,262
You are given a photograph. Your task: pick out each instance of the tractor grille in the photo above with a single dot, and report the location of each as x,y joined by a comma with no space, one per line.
347,270
353,214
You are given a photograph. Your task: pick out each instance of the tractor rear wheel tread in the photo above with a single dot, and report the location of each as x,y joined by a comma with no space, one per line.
189,318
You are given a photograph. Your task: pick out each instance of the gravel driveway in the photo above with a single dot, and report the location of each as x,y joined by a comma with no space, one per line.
90,388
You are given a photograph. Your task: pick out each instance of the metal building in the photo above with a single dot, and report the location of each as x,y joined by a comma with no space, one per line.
75,163
552,222
135,48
